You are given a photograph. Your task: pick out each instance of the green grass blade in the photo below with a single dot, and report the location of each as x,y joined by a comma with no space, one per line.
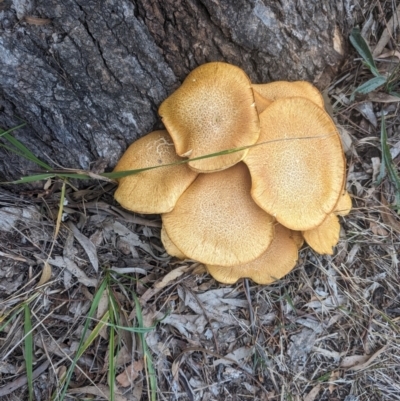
17,152
28,344
32,178
137,330
370,85
94,334
363,50
388,166
23,150
83,175
83,344
148,360
289,300
2,132
9,318
111,364
45,176
121,174
324,377
113,312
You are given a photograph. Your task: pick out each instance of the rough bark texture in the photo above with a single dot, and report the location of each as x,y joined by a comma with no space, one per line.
88,76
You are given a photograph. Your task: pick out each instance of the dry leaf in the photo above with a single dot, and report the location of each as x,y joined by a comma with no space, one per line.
300,347
208,303
131,237
312,324
137,391
376,167
124,356
46,274
8,368
327,304
232,373
47,184
172,275
72,267
185,323
87,245
328,102
367,110
377,229
101,310
19,259
128,270
391,53
240,356
334,375
127,377
100,391
387,33
61,371
10,215
347,141
97,238
330,354
388,216
395,150
313,393
175,368
381,97
353,360
359,362
251,389
199,269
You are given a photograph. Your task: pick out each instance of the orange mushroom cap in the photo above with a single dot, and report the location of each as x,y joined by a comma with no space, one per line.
156,190
298,169
278,260
283,89
216,221
261,102
169,246
324,237
297,237
212,111
343,207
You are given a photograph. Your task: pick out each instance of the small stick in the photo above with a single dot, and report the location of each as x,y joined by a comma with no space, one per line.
22,380
246,287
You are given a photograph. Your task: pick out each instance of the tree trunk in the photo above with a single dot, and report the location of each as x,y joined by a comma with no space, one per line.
88,76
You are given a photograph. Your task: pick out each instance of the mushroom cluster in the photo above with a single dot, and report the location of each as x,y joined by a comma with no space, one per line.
264,171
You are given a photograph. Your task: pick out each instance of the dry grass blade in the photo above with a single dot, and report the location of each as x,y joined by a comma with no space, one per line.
99,391
387,34
46,274
47,270
360,362
37,21
28,345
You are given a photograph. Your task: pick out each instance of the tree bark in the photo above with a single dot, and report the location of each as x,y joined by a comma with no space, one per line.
88,76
